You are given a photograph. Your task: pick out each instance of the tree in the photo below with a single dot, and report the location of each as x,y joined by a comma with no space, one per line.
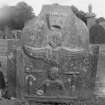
80,14
16,16
23,13
101,19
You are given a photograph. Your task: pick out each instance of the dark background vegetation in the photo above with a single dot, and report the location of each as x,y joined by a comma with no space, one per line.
15,16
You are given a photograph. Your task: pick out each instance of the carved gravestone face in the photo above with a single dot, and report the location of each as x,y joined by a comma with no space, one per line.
56,44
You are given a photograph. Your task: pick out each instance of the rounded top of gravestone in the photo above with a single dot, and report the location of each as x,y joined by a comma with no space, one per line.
97,34
102,24
56,26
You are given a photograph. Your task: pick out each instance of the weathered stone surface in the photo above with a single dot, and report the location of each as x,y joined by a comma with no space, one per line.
100,81
56,26
58,39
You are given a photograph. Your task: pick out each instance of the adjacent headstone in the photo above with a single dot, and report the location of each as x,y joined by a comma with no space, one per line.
97,34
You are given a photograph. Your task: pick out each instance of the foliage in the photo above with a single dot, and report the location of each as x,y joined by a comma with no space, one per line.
101,19
80,14
15,16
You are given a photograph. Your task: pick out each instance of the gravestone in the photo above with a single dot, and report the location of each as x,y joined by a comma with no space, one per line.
56,61
97,34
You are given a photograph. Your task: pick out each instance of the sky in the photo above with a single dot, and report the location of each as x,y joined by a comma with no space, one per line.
98,5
